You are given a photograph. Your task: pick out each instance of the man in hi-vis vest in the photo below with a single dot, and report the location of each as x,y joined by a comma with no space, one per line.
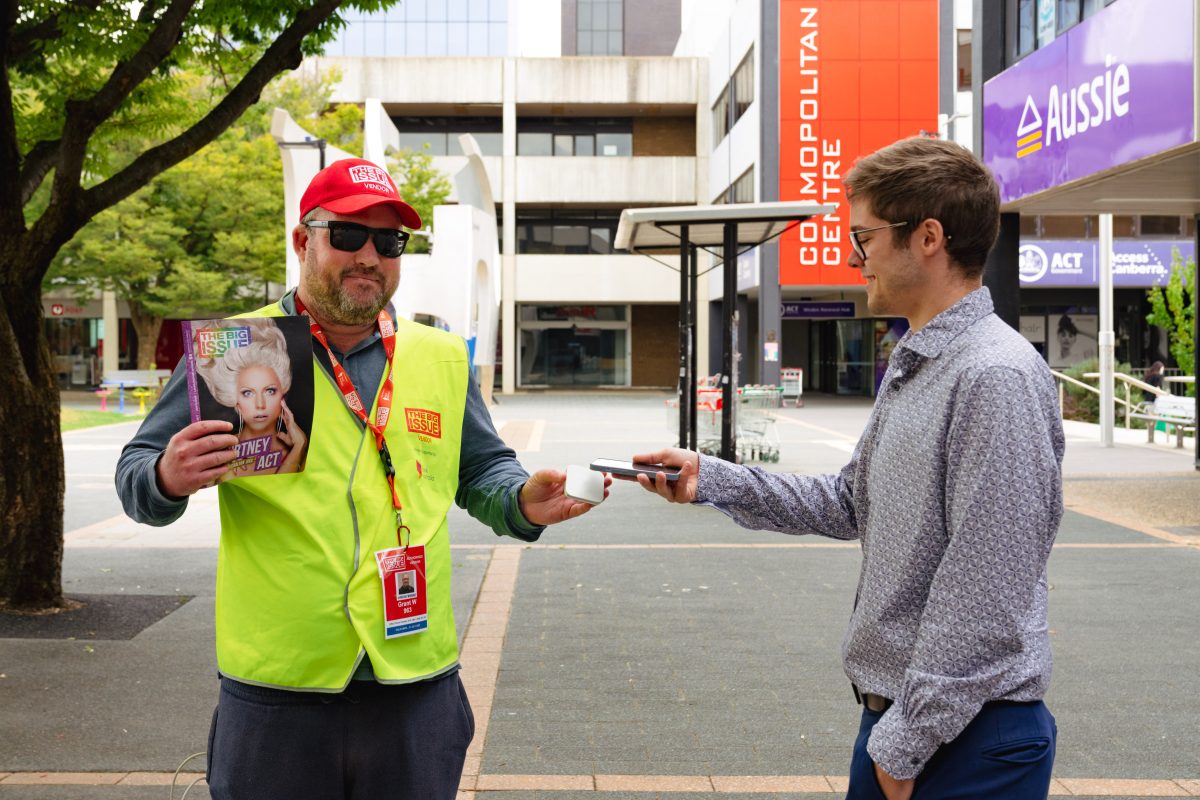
326,690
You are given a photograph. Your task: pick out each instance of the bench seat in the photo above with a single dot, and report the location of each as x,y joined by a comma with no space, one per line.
1170,410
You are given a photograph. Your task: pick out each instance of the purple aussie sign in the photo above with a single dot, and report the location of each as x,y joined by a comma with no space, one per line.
1138,264
1116,88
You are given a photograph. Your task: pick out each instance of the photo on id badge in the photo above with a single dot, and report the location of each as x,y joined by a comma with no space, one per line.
406,585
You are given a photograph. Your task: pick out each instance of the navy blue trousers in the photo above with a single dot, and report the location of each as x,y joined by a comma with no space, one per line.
371,741
1006,752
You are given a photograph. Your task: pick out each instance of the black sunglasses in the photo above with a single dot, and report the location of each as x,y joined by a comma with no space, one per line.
349,237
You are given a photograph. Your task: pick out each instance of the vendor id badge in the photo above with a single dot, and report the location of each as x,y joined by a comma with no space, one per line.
402,573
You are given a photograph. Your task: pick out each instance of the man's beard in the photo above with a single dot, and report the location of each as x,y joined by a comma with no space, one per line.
332,301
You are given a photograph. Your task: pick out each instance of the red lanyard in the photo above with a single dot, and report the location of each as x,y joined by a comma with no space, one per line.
387,332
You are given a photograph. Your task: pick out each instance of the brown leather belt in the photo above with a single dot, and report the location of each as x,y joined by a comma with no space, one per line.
872,702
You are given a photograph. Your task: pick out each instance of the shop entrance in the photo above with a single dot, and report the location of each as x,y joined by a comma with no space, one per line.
566,346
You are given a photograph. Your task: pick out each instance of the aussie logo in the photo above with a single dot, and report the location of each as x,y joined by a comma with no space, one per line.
1091,104
373,176
422,422
1029,134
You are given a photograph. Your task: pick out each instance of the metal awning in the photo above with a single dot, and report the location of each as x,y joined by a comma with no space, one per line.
658,230
734,227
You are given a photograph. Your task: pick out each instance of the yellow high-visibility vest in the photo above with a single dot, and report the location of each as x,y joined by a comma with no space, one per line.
299,599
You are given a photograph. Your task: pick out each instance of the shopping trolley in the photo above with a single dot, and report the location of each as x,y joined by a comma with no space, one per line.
757,436
708,419
792,384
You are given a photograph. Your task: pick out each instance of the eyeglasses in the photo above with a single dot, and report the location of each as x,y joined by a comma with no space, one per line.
857,243
349,237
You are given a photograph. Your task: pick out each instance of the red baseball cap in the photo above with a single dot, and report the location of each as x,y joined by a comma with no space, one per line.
352,185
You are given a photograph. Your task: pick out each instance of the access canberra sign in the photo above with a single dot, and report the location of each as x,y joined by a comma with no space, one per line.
1116,88
1139,263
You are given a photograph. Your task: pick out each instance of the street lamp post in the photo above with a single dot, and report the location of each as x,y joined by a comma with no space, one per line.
309,142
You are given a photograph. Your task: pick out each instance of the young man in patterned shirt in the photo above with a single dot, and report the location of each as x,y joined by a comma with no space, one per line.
954,491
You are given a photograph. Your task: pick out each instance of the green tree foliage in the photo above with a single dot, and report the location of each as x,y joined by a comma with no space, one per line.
1173,308
204,238
97,98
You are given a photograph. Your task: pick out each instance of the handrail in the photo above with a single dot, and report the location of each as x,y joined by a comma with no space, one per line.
1061,376
1063,379
1127,380
1157,391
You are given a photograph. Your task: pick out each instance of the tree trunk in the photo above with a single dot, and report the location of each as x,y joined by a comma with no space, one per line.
147,327
31,468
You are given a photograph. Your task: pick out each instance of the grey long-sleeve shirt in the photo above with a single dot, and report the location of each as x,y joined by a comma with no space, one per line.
955,492
489,475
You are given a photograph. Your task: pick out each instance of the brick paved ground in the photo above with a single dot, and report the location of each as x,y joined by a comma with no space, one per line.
642,651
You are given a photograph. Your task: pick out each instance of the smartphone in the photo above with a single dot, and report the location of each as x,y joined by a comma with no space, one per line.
630,469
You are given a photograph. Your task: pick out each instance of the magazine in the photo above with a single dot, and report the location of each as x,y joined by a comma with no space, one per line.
257,374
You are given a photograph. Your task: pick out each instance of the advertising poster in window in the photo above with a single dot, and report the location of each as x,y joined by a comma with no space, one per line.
887,334
1074,339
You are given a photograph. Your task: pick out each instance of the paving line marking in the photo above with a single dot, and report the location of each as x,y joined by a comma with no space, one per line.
830,431
1140,527
523,435
703,784
482,646
97,527
805,546
535,437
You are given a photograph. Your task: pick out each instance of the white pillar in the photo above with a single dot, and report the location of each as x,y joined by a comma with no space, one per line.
112,334
703,262
508,259
1107,338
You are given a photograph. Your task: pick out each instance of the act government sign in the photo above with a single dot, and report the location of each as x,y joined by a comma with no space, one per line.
812,309
1136,264
1118,87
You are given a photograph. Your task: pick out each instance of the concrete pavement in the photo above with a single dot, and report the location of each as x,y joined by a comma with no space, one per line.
643,650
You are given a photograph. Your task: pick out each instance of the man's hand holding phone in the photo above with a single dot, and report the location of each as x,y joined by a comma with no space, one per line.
681,490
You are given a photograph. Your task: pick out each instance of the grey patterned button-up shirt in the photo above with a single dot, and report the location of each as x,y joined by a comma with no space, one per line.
955,492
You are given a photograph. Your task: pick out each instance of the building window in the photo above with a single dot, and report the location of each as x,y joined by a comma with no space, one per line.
1154,225
1065,227
566,136
573,346
1067,14
743,87
735,98
720,117
1035,23
1026,18
436,28
740,191
964,60
599,28
566,231
438,136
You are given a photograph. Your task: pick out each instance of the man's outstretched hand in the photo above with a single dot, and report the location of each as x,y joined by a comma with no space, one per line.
678,491
543,502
